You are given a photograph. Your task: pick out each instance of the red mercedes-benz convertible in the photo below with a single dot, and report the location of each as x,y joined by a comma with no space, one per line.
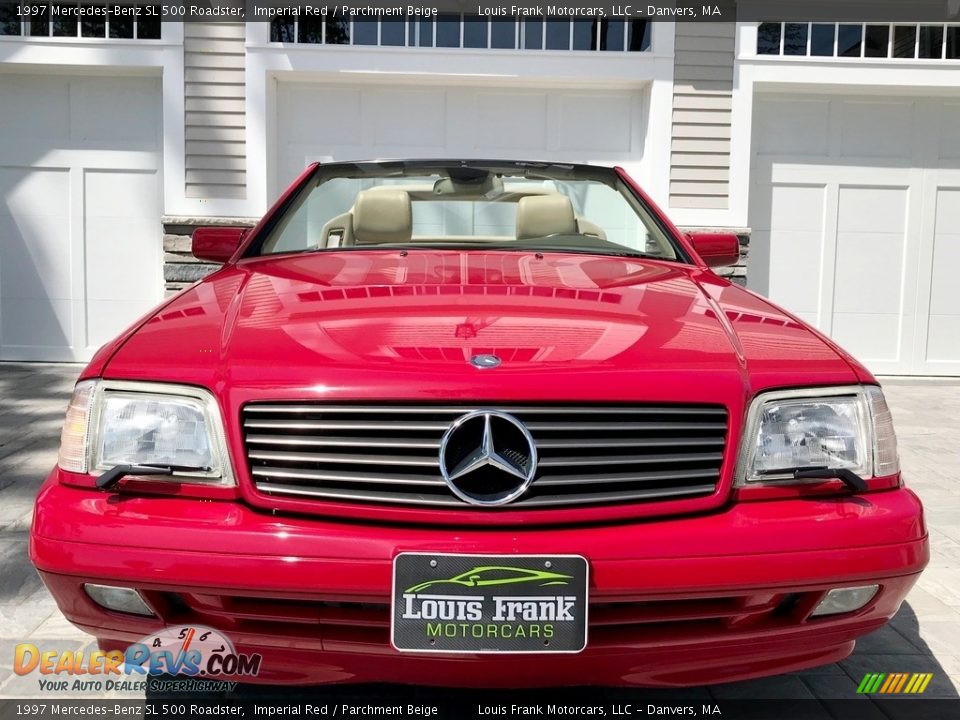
433,416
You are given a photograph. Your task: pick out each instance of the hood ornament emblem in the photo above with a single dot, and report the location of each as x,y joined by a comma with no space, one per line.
485,362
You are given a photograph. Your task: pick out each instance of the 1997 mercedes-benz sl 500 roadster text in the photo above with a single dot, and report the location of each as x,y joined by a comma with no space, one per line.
432,416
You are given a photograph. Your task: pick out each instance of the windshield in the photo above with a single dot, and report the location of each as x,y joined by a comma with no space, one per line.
519,206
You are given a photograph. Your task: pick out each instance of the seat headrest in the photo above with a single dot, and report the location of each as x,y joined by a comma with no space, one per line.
382,215
541,215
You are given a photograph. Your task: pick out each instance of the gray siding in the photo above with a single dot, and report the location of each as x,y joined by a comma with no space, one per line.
214,56
702,102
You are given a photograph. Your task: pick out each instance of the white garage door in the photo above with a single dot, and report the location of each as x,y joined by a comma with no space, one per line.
80,235
855,211
317,121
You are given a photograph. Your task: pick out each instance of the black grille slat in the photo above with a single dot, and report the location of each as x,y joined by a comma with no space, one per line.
346,458
336,441
562,461
346,477
644,478
387,455
301,409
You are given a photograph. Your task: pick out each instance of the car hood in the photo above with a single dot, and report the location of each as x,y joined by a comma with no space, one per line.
388,325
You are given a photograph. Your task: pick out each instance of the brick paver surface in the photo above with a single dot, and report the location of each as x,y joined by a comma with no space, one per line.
924,636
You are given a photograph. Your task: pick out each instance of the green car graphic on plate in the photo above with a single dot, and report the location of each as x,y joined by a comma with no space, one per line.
497,575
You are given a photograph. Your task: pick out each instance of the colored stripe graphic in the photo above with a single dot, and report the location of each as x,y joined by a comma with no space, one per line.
871,683
894,683
891,680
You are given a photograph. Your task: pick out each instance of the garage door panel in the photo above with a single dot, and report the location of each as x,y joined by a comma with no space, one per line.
876,129
796,246
414,118
797,208
887,290
872,209
34,327
79,212
511,121
795,260
943,330
326,121
595,122
949,138
943,284
868,278
35,255
943,339
35,108
871,337
123,194
97,116
792,127
105,319
947,217
869,273
306,115
120,235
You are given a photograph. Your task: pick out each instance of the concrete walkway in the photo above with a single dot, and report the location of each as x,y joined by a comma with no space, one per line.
924,637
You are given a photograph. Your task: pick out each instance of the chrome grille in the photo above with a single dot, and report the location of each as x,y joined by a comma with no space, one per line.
389,454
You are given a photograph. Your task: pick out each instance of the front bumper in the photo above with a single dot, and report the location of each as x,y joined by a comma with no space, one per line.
674,601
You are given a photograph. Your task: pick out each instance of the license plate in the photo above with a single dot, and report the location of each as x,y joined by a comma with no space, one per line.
489,603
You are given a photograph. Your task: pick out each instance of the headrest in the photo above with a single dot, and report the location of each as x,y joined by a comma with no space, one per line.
542,215
382,215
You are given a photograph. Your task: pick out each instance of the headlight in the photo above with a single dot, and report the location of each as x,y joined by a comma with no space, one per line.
842,427
113,423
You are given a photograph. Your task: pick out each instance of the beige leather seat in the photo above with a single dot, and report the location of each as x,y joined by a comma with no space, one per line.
382,215
542,215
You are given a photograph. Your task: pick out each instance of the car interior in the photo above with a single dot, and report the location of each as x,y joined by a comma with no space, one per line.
478,210
385,215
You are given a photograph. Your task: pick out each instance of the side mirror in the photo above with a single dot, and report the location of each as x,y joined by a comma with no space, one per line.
217,244
716,249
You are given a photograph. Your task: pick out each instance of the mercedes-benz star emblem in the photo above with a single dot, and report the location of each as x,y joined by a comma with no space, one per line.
488,457
485,361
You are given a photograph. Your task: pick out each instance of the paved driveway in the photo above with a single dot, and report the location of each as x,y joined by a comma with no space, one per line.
924,637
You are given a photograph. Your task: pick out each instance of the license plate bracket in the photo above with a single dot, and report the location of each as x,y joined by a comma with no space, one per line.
453,603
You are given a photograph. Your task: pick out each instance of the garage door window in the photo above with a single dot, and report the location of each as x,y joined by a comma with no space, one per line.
860,40
470,32
81,20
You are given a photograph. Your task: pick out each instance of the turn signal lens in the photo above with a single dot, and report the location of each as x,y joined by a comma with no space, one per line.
76,428
885,458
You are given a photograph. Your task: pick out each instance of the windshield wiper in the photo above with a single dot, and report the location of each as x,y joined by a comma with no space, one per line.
115,474
846,476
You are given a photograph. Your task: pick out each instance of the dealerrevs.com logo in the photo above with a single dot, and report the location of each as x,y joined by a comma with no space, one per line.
186,651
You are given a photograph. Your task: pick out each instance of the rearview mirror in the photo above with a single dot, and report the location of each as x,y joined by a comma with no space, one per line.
716,249
217,244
